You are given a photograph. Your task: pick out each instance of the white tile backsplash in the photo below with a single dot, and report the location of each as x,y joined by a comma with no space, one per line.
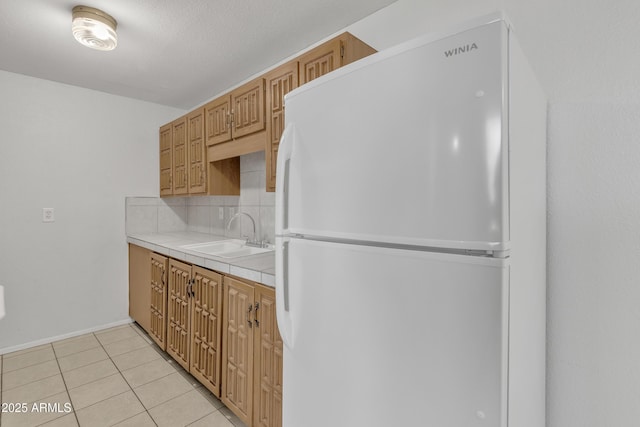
142,219
267,223
253,162
201,213
172,218
198,218
200,201
267,198
251,183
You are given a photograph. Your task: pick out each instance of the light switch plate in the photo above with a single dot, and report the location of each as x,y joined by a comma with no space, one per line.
48,215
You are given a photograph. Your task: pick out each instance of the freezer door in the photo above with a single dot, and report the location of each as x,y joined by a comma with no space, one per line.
386,337
408,148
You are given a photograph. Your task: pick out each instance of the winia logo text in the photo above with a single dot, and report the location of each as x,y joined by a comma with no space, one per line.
460,49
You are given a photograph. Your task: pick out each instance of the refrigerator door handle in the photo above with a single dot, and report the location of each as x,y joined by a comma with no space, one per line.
282,179
283,304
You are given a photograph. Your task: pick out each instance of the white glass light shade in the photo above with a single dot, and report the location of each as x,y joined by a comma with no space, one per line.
94,28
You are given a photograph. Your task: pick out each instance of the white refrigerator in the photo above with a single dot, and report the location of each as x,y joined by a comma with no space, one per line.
411,235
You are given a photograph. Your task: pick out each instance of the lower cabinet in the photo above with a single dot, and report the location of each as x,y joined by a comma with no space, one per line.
221,329
158,305
252,359
139,285
193,321
206,328
178,312
267,390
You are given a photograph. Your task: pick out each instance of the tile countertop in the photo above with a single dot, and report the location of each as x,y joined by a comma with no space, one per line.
258,268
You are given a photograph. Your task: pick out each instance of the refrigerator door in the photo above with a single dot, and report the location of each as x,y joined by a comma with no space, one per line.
407,146
387,337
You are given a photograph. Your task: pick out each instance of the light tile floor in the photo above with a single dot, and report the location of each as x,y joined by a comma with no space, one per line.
114,377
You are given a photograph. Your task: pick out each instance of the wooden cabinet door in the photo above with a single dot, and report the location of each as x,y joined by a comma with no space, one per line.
237,373
218,120
247,108
268,361
139,285
197,152
279,82
178,313
320,60
166,160
353,48
337,52
180,160
206,328
158,297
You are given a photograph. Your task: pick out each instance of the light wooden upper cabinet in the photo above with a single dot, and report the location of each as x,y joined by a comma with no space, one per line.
184,164
180,176
247,108
218,120
329,56
279,82
166,160
237,114
206,144
197,152
323,59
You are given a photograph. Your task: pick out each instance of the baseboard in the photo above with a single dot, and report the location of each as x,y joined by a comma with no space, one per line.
62,337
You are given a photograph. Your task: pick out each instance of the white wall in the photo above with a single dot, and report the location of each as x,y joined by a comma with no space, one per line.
80,152
593,357
581,52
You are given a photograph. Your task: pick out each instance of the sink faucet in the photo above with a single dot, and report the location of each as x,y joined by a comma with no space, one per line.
252,242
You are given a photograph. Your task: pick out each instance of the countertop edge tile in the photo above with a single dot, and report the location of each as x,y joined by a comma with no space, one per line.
258,268
268,279
245,273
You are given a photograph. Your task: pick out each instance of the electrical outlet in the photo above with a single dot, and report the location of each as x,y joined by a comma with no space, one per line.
221,214
48,215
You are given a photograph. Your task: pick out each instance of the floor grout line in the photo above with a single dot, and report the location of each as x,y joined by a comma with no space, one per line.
73,409
127,382
176,368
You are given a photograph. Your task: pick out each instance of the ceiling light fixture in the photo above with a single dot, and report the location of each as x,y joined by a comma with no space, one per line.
94,28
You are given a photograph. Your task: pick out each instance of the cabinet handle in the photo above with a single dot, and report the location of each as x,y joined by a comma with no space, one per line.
190,292
248,314
255,315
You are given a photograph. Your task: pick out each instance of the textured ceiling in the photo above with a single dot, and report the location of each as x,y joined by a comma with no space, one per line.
177,53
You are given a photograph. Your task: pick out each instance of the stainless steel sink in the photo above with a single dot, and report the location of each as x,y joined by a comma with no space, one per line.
226,248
